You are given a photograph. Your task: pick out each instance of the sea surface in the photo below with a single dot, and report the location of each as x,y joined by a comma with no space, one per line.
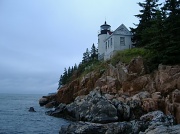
16,119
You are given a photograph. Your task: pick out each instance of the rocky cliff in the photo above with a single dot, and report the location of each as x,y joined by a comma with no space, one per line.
126,93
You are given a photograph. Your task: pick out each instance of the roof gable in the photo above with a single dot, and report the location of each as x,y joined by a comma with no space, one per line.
122,30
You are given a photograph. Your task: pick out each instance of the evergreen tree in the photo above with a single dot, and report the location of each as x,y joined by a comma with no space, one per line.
72,70
69,72
155,33
93,52
148,12
172,27
60,81
162,37
75,67
86,56
65,77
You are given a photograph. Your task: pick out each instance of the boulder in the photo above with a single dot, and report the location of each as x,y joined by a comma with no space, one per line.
51,104
176,96
43,101
136,65
93,108
156,95
121,99
172,105
122,73
166,78
123,112
136,85
51,97
103,112
159,123
178,83
152,123
111,128
136,109
59,112
86,81
108,84
141,95
31,109
96,108
109,97
149,105
157,118
163,130
119,128
83,128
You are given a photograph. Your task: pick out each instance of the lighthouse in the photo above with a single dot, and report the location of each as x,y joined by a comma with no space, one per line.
102,36
110,42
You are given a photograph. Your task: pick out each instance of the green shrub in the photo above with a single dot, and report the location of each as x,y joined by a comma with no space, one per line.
126,55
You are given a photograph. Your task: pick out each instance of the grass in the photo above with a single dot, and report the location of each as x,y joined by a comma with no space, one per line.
96,66
125,56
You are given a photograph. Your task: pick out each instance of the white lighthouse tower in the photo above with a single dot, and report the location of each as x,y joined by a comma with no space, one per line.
102,36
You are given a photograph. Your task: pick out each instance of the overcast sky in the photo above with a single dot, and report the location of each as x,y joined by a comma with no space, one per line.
39,38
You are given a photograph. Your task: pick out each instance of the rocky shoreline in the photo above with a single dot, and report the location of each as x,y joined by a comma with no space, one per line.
124,99
102,114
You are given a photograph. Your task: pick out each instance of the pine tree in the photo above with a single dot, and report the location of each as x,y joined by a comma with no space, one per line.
65,77
155,33
86,56
72,70
172,27
60,82
93,52
75,67
164,34
148,12
69,72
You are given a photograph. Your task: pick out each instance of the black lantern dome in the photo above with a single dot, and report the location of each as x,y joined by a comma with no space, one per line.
105,28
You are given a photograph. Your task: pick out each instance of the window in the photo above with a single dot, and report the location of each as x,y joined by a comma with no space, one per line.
106,45
111,42
122,41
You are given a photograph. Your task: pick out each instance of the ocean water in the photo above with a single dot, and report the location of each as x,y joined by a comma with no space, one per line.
16,119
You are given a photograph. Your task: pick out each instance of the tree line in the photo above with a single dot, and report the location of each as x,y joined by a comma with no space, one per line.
88,56
159,30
